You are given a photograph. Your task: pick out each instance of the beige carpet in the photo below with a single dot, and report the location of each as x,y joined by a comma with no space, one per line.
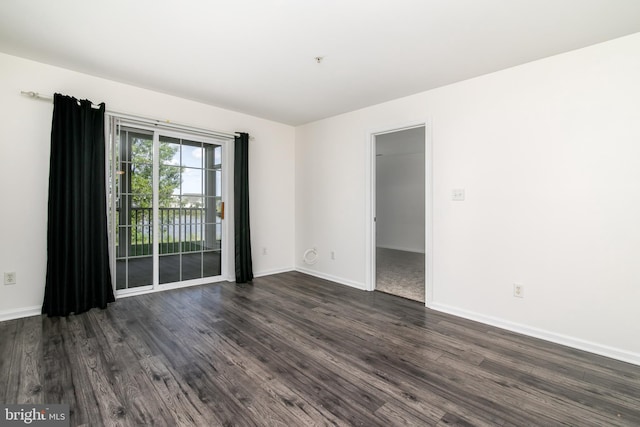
400,273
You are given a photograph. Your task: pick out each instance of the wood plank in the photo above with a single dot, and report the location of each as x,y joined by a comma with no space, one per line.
179,398
31,390
11,359
58,378
96,403
124,374
286,398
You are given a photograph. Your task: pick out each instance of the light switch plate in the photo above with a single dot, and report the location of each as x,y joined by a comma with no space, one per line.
10,278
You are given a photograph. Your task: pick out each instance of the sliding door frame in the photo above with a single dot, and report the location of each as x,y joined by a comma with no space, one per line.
226,176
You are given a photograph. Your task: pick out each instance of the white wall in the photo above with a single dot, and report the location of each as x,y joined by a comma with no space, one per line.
549,156
24,168
400,191
400,202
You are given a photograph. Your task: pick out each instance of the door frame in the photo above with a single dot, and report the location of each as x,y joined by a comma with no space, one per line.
226,246
370,203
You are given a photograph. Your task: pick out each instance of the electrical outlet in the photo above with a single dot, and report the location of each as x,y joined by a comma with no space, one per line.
264,250
10,278
333,255
457,194
518,290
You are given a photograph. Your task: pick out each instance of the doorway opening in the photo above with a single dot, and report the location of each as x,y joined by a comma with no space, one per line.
400,201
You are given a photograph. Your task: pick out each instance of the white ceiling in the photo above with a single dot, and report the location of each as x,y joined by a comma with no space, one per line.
257,56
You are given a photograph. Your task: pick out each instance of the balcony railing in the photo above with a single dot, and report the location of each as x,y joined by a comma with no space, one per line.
182,230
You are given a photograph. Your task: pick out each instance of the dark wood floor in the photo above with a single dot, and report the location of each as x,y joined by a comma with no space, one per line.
291,350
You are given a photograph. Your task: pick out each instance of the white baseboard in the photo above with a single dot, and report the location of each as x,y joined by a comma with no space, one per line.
272,271
580,344
336,279
20,313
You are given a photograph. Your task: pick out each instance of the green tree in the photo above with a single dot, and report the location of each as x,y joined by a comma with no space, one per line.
142,173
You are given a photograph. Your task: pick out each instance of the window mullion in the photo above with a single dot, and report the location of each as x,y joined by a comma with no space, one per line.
155,222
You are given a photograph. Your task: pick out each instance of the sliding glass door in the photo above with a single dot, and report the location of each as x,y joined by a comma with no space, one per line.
190,210
167,207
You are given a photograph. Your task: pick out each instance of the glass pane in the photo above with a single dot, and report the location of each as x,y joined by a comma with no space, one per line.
170,220
140,202
192,154
213,183
211,209
213,156
123,147
193,203
170,179
141,148
140,271
191,181
169,151
122,249
141,180
121,274
171,213
124,178
169,268
218,186
211,265
212,250
211,238
218,155
219,234
192,229
192,266
141,242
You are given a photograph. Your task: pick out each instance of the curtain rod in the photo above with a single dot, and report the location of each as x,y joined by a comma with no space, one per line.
168,124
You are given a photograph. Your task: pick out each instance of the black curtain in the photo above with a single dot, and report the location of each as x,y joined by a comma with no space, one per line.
244,267
78,275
